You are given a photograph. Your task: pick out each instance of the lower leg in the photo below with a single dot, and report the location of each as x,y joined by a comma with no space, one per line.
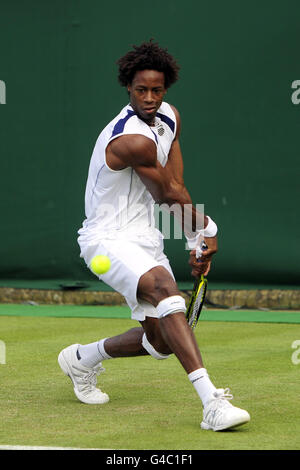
181,340
127,344
156,287
159,288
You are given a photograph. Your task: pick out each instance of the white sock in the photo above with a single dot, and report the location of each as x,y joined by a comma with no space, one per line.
93,353
202,384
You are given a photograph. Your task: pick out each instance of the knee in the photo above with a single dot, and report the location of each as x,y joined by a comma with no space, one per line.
158,343
156,285
156,347
154,337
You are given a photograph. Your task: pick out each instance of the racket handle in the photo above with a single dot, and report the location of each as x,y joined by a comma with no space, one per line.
200,249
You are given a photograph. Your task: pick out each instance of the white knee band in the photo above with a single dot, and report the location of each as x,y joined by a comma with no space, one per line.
150,349
172,304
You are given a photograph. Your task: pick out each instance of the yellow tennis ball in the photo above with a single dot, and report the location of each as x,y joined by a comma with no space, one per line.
100,264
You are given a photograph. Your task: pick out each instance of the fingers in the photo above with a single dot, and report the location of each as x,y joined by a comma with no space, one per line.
205,256
198,273
202,265
202,269
199,266
212,245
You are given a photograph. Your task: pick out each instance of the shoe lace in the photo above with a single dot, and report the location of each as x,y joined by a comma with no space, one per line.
89,378
223,394
218,404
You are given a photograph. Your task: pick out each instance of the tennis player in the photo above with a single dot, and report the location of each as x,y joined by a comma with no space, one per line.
136,163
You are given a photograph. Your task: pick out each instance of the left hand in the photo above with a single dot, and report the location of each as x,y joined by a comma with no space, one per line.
202,265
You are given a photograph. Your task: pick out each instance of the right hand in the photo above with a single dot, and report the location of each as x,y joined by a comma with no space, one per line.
202,265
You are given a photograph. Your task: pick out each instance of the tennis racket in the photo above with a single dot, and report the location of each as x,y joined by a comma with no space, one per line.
197,297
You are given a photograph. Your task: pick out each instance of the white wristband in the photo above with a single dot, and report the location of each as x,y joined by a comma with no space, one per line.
209,231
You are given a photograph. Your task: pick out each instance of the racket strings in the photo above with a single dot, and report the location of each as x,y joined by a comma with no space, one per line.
196,304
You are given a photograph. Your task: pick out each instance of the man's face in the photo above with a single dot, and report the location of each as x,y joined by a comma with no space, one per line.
147,91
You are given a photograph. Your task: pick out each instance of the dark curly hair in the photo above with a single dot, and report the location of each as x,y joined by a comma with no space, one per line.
147,56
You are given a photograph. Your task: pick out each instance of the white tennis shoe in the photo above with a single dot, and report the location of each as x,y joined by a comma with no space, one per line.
84,378
219,414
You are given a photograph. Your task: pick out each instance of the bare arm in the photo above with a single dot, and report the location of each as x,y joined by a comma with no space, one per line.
165,184
194,220
139,152
175,164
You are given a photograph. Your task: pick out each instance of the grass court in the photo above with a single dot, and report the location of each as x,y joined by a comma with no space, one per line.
152,404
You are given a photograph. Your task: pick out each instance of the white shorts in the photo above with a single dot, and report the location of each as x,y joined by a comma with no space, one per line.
129,261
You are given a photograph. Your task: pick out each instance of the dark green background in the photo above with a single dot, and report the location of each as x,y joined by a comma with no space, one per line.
240,133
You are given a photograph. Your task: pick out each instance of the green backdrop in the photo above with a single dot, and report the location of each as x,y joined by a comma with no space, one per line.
240,131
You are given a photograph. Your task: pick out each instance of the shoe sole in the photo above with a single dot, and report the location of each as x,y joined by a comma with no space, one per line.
235,424
63,363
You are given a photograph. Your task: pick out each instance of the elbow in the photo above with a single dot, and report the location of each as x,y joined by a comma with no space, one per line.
173,194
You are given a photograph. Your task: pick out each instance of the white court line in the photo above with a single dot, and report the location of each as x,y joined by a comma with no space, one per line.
8,447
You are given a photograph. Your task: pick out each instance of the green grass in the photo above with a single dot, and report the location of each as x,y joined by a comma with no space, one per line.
152,404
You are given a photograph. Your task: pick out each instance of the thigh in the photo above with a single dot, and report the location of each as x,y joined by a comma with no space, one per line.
129,261
156,284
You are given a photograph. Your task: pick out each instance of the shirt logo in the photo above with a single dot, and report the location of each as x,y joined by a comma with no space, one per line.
161,129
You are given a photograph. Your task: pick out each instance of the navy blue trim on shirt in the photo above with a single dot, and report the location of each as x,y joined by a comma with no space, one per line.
156,139
119,126
167,120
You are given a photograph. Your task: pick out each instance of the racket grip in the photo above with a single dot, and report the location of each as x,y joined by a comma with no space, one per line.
200,249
